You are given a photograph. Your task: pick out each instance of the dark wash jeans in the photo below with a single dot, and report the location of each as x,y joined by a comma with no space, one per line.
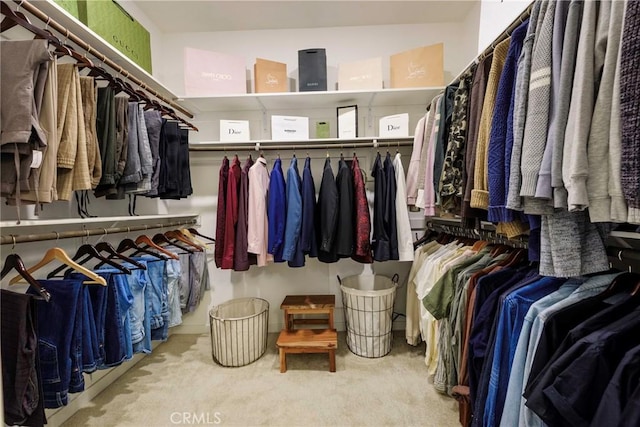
58,334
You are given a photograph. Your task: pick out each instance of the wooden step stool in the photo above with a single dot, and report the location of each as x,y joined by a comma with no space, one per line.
308,340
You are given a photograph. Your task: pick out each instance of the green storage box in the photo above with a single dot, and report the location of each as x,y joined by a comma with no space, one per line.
70,6
110,21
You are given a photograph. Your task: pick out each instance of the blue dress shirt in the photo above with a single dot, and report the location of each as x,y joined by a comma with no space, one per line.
276,212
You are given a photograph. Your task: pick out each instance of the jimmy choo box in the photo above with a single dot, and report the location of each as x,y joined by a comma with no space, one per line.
234,131
312,70
289,128
360,75
208,73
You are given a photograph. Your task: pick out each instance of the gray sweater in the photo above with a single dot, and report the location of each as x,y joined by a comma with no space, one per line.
603,144
589,63
561,113
520,107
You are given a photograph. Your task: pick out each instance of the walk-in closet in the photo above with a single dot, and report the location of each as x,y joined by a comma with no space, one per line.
311,213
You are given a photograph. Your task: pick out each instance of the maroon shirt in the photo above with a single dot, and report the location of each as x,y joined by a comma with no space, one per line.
231,217
221,212
242,259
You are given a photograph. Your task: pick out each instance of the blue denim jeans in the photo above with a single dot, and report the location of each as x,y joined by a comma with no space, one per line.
99,296
139,314
115,346
90,344
172,273
157,300
56,336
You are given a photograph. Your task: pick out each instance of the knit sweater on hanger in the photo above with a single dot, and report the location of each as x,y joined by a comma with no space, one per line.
600,146
630,109
589,64
514,201
480,193
502,117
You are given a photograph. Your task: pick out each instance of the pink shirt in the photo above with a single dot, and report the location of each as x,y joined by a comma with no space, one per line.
414,163
258,229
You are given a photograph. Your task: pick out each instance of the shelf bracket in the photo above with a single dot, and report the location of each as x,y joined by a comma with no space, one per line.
265,128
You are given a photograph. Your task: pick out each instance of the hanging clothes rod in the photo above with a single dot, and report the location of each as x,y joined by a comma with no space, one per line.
624,257
49,22
72,234
506,33
451,226
298,145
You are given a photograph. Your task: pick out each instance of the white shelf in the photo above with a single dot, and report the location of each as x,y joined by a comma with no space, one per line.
145,219
311,100
64,18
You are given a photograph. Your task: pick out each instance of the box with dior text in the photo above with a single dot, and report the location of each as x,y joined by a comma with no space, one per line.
234,131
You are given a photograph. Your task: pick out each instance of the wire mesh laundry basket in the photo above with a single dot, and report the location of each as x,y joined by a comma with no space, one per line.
239,331
368,310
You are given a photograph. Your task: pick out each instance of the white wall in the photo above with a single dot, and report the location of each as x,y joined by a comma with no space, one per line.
495,16
155,33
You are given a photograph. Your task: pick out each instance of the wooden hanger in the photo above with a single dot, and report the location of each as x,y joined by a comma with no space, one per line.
624,281
14,262
186,233
174,234
197,233
145,240
57,254
160,239
128,244
89,251
107,247
479,245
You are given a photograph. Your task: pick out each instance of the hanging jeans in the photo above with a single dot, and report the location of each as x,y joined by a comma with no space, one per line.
139,315
173,273
115,335
21,379
58,335
157,301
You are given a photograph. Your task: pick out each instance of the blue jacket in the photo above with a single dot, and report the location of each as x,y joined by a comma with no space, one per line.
294,214
276,212
308,242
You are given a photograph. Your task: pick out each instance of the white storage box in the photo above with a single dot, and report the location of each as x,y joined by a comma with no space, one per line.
209,73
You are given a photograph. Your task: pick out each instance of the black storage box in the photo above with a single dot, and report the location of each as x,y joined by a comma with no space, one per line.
312,70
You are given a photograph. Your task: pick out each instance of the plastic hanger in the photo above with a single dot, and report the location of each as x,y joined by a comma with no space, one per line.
145,240
14,262
626,280
57,254
89,251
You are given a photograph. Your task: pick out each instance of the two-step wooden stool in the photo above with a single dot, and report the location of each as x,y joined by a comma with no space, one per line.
298,341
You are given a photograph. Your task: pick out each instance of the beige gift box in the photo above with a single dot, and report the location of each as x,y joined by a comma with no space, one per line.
420,67
270,76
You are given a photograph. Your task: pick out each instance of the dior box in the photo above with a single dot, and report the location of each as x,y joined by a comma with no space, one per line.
360,75
234,131
394,126
312,70
289,128
420,67
209,73
270,76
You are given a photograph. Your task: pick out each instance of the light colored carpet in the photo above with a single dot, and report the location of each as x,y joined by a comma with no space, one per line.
179,384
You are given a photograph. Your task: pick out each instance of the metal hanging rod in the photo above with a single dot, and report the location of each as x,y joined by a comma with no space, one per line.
299,145
25,238
28,6
624,258
451,226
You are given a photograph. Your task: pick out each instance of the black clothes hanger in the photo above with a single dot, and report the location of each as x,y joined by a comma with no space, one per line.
196,233
14,262
160,239
88,252
623,282
107,247
128,244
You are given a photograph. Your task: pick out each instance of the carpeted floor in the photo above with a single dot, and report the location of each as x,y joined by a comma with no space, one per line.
179,384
